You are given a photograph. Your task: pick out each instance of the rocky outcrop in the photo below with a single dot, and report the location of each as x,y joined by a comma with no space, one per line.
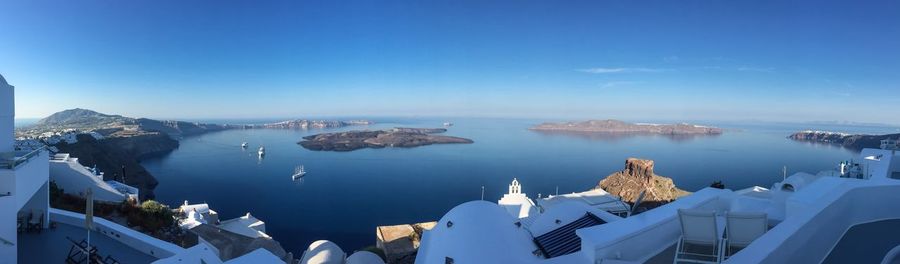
397,137
638,176
117,155
616,126
850,141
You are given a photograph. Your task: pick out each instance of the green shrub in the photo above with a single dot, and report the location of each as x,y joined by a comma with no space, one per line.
151,216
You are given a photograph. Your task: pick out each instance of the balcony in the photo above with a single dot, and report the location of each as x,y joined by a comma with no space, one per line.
11,160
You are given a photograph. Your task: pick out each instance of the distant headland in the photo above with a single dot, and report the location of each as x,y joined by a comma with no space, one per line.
850,141
396,137
620,127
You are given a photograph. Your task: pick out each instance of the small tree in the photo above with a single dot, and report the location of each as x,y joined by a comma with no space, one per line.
152,216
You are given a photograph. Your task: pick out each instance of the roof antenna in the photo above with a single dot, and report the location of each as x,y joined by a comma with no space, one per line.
482,192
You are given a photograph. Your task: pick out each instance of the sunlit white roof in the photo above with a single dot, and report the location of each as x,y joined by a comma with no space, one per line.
246,225
323,252
477,232
364,257
257,256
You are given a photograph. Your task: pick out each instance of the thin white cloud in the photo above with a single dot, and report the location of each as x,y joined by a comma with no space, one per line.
617,84
621,70
755,69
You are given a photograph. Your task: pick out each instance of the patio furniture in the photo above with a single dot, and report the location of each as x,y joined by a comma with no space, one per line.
741,228
36,223
78,253
20,223
701,237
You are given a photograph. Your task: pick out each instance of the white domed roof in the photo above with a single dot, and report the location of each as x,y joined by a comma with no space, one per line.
477,232
364,257
323,252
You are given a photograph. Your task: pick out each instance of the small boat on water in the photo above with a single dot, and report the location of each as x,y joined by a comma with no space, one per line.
244,145
446,124
298,172
262,151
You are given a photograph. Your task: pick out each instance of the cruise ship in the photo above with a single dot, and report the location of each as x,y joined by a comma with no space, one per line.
849,214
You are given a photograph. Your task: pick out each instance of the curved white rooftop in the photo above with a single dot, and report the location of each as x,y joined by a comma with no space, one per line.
477,232
364,257
323,252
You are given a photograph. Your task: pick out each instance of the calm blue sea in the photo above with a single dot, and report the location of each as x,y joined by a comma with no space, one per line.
346,195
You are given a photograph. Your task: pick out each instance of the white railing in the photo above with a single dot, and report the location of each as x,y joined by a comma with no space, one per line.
127,236
10,160
800,238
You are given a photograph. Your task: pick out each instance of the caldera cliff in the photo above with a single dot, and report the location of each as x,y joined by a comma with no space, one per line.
850,141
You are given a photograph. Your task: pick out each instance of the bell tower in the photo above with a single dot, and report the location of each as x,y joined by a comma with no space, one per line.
514,187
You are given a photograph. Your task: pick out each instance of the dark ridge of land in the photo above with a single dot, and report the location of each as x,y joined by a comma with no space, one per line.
620,127
397,137
850,141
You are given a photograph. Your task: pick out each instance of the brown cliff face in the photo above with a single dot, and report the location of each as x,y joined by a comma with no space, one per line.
638,176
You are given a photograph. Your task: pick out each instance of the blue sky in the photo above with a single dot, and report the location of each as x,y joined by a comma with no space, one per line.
675,60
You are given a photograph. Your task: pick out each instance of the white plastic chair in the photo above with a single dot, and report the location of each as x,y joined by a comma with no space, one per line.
741,228
698,227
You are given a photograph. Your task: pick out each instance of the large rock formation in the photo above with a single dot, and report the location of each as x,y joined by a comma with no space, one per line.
616,126
850,141
638,176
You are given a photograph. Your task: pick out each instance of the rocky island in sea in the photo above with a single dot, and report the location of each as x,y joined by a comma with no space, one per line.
620,127
396,137
850,141
638,176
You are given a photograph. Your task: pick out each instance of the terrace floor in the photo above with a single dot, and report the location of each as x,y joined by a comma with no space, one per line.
51,246
866,243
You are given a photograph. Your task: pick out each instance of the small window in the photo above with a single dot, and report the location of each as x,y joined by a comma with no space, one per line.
787,187
448,260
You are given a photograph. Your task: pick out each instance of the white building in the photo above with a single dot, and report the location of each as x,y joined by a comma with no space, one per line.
890,144
75,179
24,181
577,228
327,252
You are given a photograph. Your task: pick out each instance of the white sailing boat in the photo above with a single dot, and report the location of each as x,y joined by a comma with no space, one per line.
261,151
299,171
244,144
